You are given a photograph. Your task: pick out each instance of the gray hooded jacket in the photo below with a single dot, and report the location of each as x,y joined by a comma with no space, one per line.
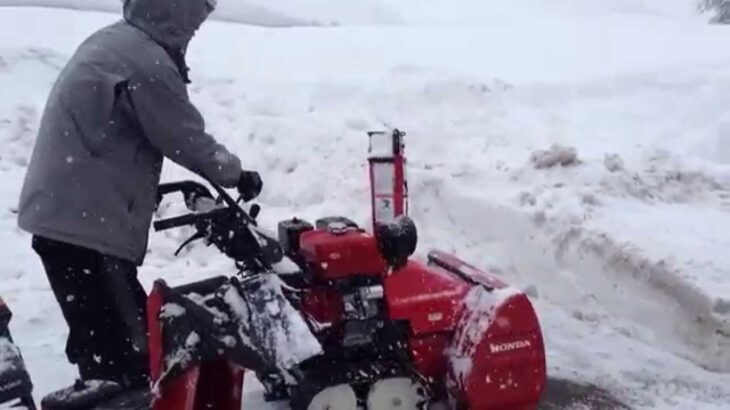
117,108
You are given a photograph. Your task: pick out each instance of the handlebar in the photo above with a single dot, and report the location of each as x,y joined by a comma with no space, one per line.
230,228
186,187
175,222
190,190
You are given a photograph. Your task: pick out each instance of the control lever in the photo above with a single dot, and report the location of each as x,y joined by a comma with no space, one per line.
254,211
198,235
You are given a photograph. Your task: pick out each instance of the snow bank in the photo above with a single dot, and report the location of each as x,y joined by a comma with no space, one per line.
555,156
113,6
233,11
293,13
278,13
480,11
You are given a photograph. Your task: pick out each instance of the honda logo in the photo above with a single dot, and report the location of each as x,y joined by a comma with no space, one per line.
508,347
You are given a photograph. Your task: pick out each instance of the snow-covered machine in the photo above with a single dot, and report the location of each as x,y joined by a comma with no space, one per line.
333,316
15,386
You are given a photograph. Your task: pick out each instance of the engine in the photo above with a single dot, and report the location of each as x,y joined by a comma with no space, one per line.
343,299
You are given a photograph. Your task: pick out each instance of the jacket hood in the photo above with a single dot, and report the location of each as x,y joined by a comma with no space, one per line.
171,23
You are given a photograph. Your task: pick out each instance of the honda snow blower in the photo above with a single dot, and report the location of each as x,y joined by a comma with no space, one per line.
329,316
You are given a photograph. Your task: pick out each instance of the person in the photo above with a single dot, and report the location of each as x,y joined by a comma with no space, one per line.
119,106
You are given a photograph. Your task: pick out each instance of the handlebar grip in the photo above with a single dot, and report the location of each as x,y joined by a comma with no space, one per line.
174,222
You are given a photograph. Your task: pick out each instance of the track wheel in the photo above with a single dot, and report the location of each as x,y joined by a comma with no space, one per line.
398,393
339,397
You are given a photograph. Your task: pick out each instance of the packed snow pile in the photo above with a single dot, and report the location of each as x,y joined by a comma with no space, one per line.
278,13
234,11
628,249
474,11
556,155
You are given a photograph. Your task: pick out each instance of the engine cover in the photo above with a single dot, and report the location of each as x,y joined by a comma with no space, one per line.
334,254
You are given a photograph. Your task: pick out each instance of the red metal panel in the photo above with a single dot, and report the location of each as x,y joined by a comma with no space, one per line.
216,384
454,264
429,355
220,386
154,305
428,297
336,256
178,393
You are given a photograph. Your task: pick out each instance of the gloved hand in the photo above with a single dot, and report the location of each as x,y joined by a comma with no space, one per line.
249,185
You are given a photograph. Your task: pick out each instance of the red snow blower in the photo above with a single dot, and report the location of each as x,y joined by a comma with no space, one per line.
330,316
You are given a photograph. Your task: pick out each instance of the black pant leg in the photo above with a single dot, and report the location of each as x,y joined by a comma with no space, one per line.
71,273
128,347
104,305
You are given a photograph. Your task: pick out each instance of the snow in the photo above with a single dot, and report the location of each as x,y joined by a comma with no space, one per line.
235,11
171,310
555,156
480,304
627,248
8,355
178,359
286,267
266,317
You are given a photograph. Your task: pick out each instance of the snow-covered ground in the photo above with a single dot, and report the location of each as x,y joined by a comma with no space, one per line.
626,248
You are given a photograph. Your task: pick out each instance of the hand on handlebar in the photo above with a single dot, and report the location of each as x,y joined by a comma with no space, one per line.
249,185
224,223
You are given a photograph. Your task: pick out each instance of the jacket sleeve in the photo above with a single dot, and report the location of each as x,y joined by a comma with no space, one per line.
173,125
